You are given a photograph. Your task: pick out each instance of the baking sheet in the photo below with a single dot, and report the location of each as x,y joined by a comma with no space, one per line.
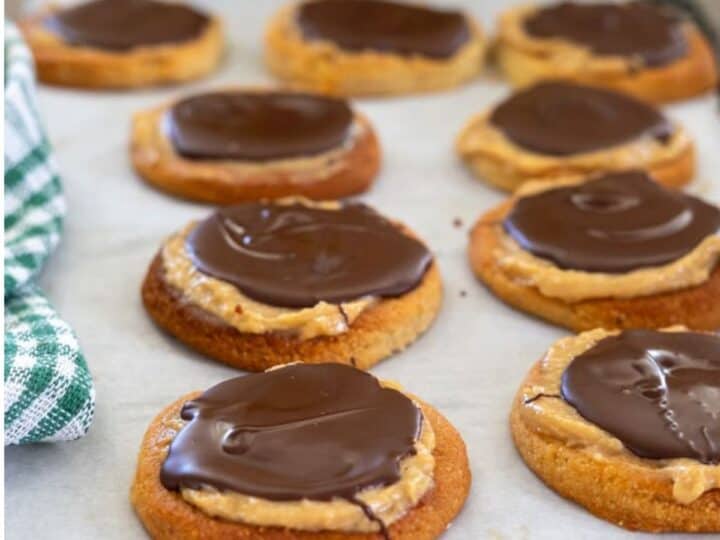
468,365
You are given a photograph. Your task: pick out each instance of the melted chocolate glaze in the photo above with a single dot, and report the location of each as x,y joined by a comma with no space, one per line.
124,24
658,392
258,126
616,223
635,29
297,256
357,25
558,118
300,432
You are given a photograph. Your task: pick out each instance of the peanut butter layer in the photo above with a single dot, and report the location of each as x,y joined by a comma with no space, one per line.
297,447
570,56
647,254
546,411
247,315
480,139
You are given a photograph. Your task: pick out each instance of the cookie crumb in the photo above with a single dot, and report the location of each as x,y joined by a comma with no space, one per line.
457,222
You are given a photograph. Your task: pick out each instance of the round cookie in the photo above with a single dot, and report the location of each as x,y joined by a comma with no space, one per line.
633,47
555,130
368,47
167,514
331,281
240,145
128,44
575,254
595,396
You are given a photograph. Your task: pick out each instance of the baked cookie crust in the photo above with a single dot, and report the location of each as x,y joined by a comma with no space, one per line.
508,166
58,63
525,60
695,307
345,171
166,515
384,328
323,67
627,494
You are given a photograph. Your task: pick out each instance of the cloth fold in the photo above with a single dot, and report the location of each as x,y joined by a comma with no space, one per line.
49,395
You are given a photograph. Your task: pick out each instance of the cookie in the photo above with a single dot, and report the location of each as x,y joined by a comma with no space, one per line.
369,47
128,44
328,446
634,47
238,145
615,251
260,284
623,424
555,129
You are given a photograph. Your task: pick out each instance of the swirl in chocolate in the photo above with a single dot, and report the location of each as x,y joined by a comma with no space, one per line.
658,392
120,25
559,118
634,29
294,255
616,223
303,431
377,25
258,126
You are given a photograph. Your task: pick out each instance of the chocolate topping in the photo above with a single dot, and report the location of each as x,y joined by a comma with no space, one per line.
297,256
258,126
300,432
635,29
658,392
616,223
358,25
124,24
558,118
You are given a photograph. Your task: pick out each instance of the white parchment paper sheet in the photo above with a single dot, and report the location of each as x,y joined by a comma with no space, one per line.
468,365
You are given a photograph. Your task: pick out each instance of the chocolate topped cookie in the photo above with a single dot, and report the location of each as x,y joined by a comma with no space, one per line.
378,25
300,451
561,119
615,223
297,255
260,284
638,30
372,47
120,25
639,48
613,250
105,44
258,126
299,432
555,129
658,392
627,424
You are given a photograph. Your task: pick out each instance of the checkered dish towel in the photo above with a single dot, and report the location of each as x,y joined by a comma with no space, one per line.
49,395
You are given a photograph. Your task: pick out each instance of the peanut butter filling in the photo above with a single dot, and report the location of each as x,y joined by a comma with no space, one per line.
575,285
247,315
481,140
386,504
158,147
565,56
545,411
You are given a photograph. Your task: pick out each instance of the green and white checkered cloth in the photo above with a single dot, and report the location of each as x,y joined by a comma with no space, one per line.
49,395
